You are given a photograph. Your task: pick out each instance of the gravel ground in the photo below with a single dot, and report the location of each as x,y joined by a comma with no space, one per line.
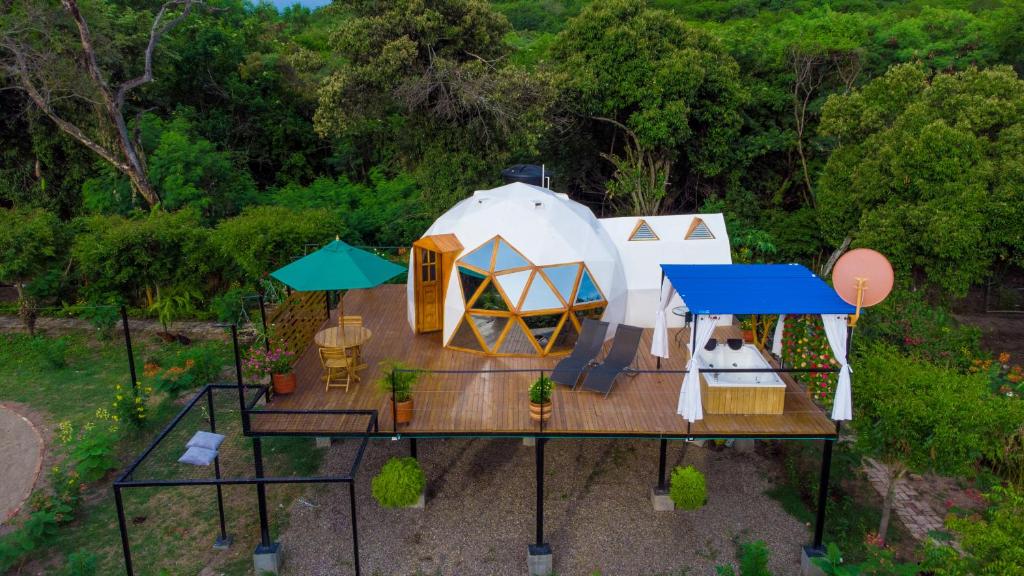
479,516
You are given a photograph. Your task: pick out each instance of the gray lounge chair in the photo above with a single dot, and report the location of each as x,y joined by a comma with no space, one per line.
588,345
602,376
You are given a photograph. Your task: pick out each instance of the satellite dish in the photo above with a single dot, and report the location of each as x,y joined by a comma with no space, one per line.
862,277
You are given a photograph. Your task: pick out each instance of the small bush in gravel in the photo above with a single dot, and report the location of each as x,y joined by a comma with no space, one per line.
753,561
399,484
688,489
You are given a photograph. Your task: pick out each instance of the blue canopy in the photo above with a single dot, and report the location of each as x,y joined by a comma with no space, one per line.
753,289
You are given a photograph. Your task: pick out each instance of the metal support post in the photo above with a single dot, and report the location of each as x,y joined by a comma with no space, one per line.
355,527
223,541
128,347
123,527
662,449
261,493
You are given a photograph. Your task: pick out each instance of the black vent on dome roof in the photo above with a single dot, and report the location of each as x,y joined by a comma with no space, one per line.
527,174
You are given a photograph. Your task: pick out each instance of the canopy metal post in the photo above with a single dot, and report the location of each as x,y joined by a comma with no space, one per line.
661,287
355,526
223,541
128,347
263,320
826,469
261,494
662,449
238,379
123,527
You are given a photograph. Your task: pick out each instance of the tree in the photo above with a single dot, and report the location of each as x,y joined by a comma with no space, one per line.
41,58
429,82
668,88
916,416
928,171
265,238
29,242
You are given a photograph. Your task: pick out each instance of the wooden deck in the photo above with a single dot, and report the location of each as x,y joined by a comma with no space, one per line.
496,403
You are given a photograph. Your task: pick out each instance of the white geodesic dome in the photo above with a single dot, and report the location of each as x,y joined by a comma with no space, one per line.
533,233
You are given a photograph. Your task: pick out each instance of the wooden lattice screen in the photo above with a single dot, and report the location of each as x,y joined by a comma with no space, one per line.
294,322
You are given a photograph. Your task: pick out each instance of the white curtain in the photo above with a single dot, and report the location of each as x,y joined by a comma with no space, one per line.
659,341
835,330
777,336
689,397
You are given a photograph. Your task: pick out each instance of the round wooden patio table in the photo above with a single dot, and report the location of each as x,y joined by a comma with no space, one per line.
352,337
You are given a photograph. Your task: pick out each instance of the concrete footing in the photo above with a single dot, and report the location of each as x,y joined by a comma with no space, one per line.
807,568
744,445
267,559
223,543
661,501
323,441
539,560
529,441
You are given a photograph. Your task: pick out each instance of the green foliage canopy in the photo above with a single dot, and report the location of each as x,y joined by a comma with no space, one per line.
928,170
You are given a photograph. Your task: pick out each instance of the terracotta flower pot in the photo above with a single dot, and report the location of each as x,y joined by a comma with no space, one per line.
748,335
403,412
284,383
540,412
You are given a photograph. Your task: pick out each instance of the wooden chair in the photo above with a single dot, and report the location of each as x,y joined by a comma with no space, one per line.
338,367
350,321
355,351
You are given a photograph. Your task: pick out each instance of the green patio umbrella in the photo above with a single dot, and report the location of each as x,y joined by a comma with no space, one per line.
337,266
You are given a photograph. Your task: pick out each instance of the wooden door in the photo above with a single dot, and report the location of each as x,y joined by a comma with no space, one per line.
429,306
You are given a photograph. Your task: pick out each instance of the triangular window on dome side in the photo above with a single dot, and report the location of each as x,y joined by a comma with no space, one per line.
699,231
588,290
481,256
470,280
464,337
508,257
517,341
563,278
642,231
513,285
489,299
540,296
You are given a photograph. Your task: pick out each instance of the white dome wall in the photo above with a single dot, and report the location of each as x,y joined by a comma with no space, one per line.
547,228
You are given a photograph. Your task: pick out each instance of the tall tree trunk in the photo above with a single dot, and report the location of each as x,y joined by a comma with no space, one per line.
895,473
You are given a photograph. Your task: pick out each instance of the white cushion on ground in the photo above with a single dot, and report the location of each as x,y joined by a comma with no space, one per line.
208,440
198,456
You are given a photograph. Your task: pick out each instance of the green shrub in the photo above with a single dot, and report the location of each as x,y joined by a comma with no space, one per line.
991,543
92,447
80,563
207,361
52,352
399,484
905,320
103,316
227,307
687,488
880,562
753,561
37,529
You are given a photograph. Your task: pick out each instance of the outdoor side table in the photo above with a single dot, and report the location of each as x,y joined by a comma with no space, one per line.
346,337
684,313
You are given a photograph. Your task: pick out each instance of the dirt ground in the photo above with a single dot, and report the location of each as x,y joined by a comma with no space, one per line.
479,516
999,332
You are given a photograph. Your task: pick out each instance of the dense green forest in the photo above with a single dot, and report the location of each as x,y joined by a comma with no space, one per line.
895,125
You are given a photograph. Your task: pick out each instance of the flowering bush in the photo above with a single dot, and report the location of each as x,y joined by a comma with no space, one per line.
63,497
1005,379
260,362
92,446
130,406
804,345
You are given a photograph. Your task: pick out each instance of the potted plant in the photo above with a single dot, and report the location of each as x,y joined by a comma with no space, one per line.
400,484
398,381
540,399
747,328
276,363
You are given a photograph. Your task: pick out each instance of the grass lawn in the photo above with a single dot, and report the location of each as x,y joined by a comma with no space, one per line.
172,529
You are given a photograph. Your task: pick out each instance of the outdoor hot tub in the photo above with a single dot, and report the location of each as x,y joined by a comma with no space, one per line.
738,392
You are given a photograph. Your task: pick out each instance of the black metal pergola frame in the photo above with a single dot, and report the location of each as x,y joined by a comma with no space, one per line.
124,480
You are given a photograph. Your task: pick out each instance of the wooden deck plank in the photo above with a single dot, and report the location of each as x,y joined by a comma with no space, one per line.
496,403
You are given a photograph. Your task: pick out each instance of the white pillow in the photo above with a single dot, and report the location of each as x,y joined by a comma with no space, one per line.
198,456
207,440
